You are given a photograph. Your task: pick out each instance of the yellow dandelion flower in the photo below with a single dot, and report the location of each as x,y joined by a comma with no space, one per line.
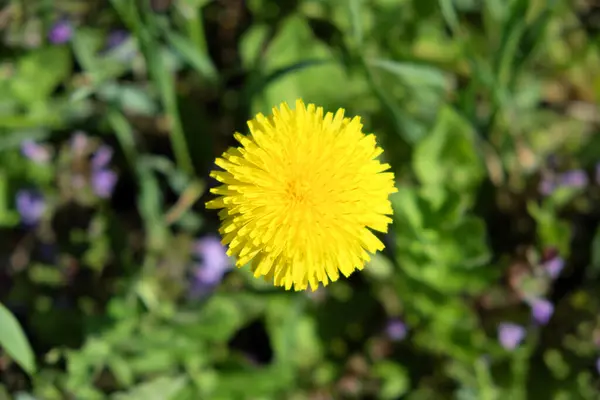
301,195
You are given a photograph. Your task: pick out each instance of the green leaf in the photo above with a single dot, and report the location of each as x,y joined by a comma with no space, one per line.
405,125
380,267
39,73
413,74
128,97
14,341
448,156
406,208
594,269
552,231
356,14
163,388
7,216
265,382
222,316
100,66
297,65
556,363
463,247
193,55
395,380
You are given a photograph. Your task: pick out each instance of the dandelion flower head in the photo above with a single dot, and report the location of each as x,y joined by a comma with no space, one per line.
301,196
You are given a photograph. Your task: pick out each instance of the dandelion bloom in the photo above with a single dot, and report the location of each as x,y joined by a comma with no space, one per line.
301,195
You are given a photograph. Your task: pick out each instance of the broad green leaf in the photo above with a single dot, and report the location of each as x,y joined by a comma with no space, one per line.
163,388
128,97
14,341
406,207
193,55
223,315
380,267
594,269
448,156
19,396
296,65
551,230
39,73
462,247
556,363
7,216
356,13
395,381
413,74
253,384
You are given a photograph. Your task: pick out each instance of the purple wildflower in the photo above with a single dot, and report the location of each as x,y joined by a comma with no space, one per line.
31,206
541,310
34,151
510,335
103,179
60,32
103,182
212,253
102,157
396,330
554,266
213,264
574,178
116,38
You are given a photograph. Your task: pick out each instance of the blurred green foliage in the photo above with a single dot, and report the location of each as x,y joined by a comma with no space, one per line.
478,104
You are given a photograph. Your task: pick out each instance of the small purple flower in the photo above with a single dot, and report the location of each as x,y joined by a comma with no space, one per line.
102,157
574,178
35,152
116,38
554,266
510,335
396,330
212,253
103,182
213,264
60,32
541,310
31,206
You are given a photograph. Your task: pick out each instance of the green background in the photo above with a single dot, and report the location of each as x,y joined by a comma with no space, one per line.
474,103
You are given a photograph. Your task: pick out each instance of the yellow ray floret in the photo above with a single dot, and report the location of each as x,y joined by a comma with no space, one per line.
300,196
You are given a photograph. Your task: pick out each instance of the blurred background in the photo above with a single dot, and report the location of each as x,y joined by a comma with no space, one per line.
113,283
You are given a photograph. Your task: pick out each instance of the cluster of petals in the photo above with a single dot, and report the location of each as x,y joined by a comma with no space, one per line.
300,198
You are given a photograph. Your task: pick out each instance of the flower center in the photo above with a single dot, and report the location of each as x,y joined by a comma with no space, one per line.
297,190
